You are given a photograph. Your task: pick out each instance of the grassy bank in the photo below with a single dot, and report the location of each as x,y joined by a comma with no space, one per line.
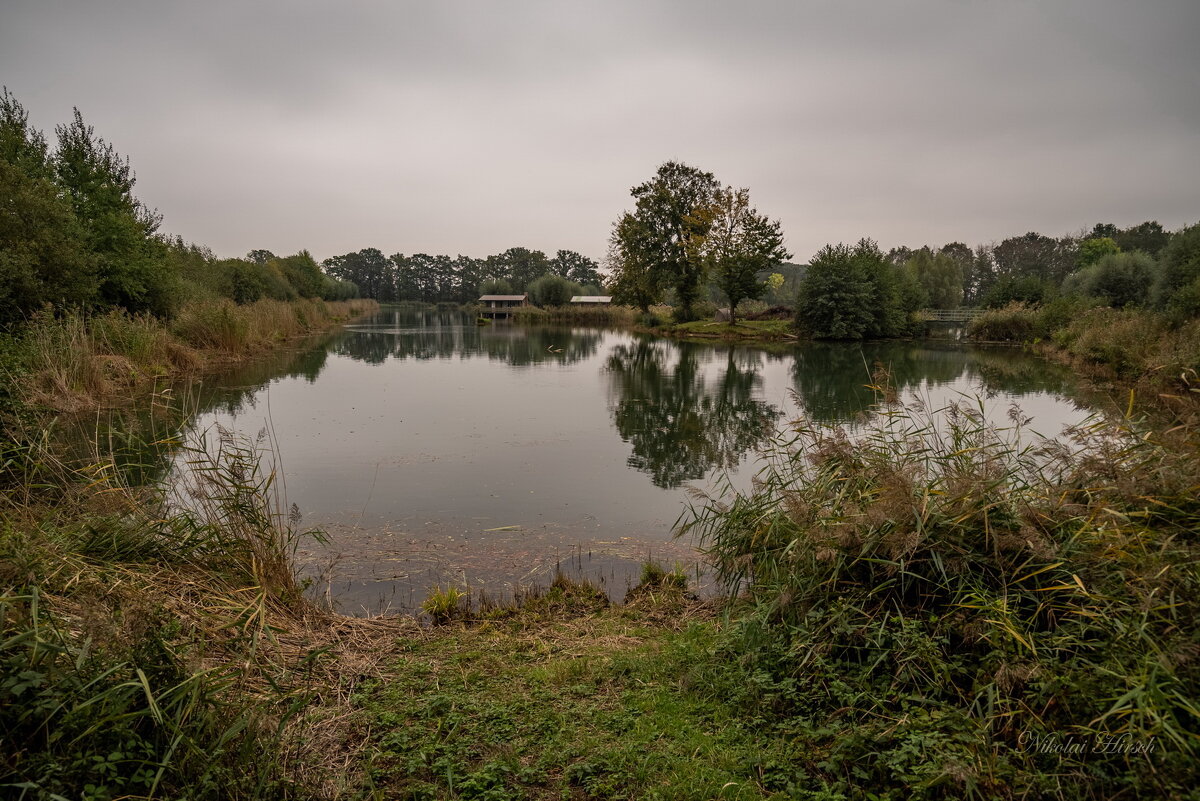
156,644
73,362
1149,352
742,331
615,316
569,697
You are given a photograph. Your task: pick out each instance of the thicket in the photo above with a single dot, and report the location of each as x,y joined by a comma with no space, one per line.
854,292
74,237
935,607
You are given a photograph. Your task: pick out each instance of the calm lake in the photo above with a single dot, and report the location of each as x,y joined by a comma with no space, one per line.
433,451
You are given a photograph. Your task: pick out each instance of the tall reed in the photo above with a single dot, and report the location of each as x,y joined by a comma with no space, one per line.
926,602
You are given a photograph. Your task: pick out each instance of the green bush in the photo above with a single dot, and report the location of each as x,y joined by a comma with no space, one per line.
552,290
1121,279
1176,289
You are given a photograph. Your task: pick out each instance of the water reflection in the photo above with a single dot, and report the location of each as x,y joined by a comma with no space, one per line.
447,335
680,426
833,380
434,450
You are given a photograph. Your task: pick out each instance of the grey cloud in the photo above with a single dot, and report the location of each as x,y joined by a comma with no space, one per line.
474,126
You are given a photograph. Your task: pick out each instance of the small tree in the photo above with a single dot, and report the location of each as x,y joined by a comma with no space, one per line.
552,290
740,244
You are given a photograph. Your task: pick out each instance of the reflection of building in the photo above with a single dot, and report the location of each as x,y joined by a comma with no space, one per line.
498,306
591,300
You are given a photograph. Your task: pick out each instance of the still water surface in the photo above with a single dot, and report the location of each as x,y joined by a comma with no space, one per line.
432,450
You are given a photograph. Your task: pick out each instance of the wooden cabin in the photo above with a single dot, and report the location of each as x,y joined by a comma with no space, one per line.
500,306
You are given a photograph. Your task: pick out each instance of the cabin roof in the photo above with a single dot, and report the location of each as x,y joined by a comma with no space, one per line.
502,297
592,299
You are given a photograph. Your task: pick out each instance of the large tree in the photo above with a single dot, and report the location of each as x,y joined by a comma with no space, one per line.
675,209
939,275
1035,256
576,267
741,243
637,279
374,273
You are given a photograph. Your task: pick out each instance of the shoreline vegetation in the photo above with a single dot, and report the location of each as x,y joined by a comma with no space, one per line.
76,362
927,610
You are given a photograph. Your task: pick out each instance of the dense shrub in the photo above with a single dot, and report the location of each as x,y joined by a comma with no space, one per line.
856,293
1178,286
1119,279
926,602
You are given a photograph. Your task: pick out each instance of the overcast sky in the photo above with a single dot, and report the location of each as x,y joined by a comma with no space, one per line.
472,127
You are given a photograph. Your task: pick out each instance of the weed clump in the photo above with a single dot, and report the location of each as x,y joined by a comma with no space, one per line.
442,606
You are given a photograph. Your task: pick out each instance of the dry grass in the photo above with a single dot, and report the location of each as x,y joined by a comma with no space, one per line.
77,362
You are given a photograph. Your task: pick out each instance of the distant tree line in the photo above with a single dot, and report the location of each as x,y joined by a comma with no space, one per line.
462,279
73,236
857,292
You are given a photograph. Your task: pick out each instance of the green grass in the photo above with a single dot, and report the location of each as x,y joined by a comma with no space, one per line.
743,329
569,702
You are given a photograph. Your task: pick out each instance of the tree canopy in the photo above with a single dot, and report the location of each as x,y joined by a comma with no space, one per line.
740,244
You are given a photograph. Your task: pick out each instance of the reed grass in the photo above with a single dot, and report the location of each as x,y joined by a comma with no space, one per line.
925,602
156,642
74,362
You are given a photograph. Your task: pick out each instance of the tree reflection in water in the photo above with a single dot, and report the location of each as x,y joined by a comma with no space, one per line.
832,380
681,426
446,335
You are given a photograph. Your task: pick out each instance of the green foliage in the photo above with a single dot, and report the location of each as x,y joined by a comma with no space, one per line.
940,277
656,577
673,215
1144,348
43,257
562,701
133,268
1148,237
446,605
927,599
97,724
496,286
552,290
741,243
1120,279
1178,286
853,293
1034,256
637,280
1093,249
1008,289
577,268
